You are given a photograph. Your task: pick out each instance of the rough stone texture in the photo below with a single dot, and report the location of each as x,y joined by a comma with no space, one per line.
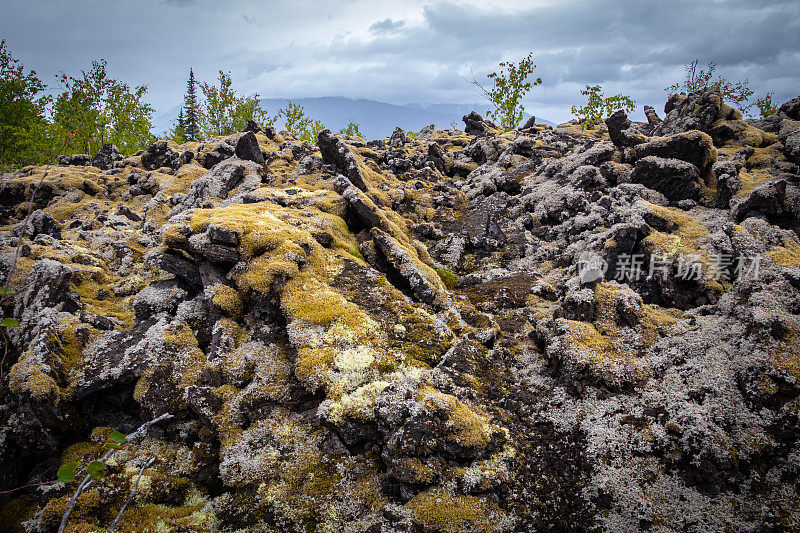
791,108
458,345
160,155
766,200
616,123
42,223
694,147
420,278
335,151
652,117
78,160
247,148
675,179
107,155
476,125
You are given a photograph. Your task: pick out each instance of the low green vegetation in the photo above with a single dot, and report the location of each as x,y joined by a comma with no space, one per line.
351,129
766,106
299,124
96,109
23,101
697,78
224,112
599,107
92,109
448,278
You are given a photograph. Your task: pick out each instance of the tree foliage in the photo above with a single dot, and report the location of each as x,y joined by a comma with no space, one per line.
510,87
599,107
177,133
224,112
23,127
766,106
97,109
351,129
738,93
299,124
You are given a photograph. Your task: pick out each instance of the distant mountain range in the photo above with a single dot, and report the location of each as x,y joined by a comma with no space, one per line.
376,120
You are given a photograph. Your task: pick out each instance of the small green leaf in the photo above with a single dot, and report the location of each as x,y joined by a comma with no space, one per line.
96,469
112,445
9,323
67,471
4,291
117,437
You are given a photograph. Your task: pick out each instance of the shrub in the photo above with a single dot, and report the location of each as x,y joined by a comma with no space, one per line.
738,93
510,86
299,124
352,129
598,107
766,106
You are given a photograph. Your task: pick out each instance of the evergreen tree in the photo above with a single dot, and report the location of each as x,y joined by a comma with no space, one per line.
178,131
192,107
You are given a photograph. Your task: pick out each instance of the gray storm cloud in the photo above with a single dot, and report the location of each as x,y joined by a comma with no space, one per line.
416,53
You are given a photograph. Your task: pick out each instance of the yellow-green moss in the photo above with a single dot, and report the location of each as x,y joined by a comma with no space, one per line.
787,256
466,426
683,242
94,291
752,179
440,510
82,452
228,299
86,509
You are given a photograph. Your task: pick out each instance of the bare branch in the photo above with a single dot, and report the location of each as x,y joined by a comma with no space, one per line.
133,493
109,453
476,83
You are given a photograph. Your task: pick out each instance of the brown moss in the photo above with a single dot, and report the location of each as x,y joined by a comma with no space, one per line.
786,352
15,511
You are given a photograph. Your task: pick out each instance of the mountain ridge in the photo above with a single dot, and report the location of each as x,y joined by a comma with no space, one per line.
376,119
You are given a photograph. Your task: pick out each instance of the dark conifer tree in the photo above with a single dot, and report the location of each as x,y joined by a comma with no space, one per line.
180,129
192,109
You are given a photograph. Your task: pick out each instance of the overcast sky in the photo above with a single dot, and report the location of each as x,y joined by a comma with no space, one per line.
411,51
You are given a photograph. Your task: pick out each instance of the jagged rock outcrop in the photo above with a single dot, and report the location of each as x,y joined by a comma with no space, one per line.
675,179
534,330
78,160
336,152
107,155
159,155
